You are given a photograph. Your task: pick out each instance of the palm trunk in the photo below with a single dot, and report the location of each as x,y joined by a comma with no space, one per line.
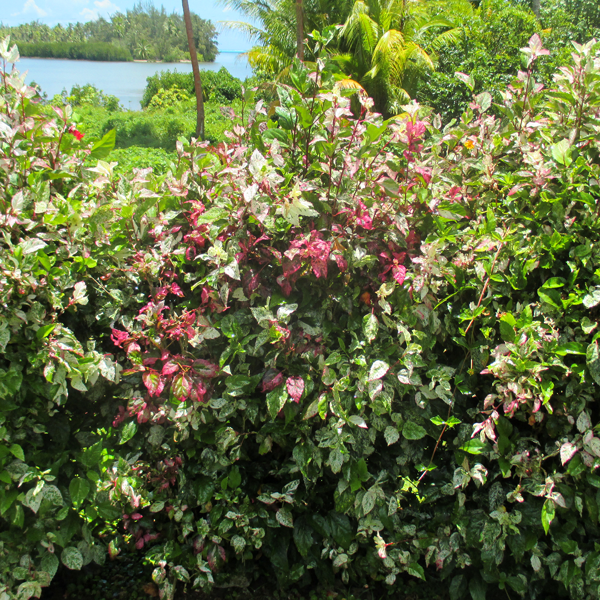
299,30
536,8
197,81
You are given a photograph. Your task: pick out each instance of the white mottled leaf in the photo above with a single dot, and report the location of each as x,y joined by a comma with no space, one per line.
71,558
391,435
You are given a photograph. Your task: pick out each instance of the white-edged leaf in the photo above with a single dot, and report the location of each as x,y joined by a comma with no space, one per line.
284,517
378,370
391,435
71,558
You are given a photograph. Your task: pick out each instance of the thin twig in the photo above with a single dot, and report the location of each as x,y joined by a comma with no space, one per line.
487,282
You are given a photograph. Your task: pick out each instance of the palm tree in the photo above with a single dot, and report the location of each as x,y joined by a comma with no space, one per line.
197,81
389,45
142,49
280,25
299,30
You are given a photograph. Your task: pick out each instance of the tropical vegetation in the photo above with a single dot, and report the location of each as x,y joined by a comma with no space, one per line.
334,349
402,49
143,32
169,113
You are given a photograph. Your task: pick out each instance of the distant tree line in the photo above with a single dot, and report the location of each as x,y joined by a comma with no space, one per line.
75,50
143,32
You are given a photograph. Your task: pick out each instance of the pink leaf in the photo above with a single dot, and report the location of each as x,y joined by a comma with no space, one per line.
118,337
295,387
153,382
205,368
182,386
342,263
198,391
399,273
222,553
169,368
175,289
133,347
271,380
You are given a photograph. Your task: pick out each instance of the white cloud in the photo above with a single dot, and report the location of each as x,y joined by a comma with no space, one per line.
88,14
106,5
31,7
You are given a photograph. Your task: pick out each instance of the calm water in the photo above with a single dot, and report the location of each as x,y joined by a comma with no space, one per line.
126,80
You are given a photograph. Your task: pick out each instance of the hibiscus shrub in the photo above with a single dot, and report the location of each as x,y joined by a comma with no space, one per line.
335,349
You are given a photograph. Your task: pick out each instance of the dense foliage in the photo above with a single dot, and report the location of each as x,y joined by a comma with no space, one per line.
76,50
413,48
335,348
169,114
143,32
217,86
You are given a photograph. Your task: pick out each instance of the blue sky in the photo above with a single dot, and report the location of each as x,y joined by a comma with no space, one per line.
52,12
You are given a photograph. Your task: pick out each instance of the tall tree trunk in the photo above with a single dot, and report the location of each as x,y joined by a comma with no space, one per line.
197,81
536,8
299,30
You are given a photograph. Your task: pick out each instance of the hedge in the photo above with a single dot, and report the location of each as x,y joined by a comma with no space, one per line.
335,349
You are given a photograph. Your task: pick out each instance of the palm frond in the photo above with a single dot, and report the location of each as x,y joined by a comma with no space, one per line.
452,37
348,84
389,55
254,33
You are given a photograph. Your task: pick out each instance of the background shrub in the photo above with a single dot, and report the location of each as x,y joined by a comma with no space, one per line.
218,86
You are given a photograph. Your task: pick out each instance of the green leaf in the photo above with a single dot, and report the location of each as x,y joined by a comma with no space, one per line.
412,431
416,570
548,512
50,563
341,529
71,558
6,501
276,400
157,506
474,446
53,496
284,517
368,501
592,356
102,148
17,452
235,479
18,519
370,327
507,328
213,214
79,489
561,152
484,100
45,331
91,456
552,297
457,587
129,430
478,588
303,537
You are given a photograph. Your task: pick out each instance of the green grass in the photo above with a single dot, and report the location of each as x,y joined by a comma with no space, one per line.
158,129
